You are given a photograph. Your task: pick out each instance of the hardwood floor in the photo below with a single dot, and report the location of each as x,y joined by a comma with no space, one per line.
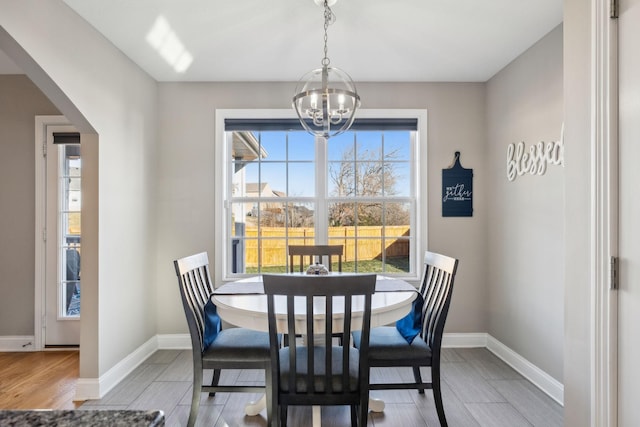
479,390
38,380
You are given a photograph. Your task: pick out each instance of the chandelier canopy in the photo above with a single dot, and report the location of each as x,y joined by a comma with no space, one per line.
326,99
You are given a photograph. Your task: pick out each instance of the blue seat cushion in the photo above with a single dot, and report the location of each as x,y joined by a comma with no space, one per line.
212,324
410,325
235,344
386,343
319,368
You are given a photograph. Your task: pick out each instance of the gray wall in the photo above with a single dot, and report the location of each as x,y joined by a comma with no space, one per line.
186,158
186,114
526,217
20,102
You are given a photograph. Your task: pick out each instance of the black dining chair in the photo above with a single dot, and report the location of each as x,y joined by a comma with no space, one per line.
213,347
416,340
305,255
318,372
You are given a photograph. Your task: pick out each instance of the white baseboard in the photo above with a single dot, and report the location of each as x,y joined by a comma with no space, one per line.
174,342
17,343
96,388
478,339
537,376
87,388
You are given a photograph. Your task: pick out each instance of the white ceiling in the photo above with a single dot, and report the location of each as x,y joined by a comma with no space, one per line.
280,40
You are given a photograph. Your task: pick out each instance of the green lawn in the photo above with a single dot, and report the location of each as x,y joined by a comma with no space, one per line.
394,265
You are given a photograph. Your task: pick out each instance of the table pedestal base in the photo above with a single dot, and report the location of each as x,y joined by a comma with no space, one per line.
255,407
376,405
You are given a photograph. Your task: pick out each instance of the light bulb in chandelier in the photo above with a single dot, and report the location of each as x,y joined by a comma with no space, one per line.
326,101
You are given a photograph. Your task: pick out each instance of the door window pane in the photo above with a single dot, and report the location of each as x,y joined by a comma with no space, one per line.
70,230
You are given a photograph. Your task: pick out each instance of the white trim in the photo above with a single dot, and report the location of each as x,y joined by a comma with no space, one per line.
87,388
17,343
477,339
174,341
221,177
604,220
96,388
41,124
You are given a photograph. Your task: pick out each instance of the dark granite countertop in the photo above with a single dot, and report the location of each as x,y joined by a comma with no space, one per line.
93,418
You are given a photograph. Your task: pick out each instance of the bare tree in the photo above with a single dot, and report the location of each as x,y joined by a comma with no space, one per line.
365,176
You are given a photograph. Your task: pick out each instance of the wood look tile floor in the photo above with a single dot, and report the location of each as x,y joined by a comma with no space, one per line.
479,390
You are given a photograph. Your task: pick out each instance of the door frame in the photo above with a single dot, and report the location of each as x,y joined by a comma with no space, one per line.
42,123
604,224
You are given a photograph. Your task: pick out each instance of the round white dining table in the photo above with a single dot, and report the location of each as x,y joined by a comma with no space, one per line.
243,303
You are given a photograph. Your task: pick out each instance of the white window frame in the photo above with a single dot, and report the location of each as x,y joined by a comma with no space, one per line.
418,168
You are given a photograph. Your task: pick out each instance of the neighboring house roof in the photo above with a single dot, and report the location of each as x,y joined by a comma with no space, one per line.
254,187
262,189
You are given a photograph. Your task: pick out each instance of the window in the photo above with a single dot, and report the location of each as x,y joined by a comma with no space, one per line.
65,152
69,226
282,186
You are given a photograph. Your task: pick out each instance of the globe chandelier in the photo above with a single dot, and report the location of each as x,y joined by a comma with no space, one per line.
326,99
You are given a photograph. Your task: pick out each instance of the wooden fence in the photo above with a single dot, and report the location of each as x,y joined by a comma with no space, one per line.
369,243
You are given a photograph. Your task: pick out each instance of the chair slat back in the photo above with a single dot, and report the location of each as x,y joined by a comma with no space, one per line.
436,290
305,255
320,294
195,289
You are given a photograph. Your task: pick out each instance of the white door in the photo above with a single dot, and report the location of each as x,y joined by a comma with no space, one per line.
629,240
62,237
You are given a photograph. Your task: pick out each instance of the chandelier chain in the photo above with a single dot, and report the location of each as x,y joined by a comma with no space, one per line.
329,18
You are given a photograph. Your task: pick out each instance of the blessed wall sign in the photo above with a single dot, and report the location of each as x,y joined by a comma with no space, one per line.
534,161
